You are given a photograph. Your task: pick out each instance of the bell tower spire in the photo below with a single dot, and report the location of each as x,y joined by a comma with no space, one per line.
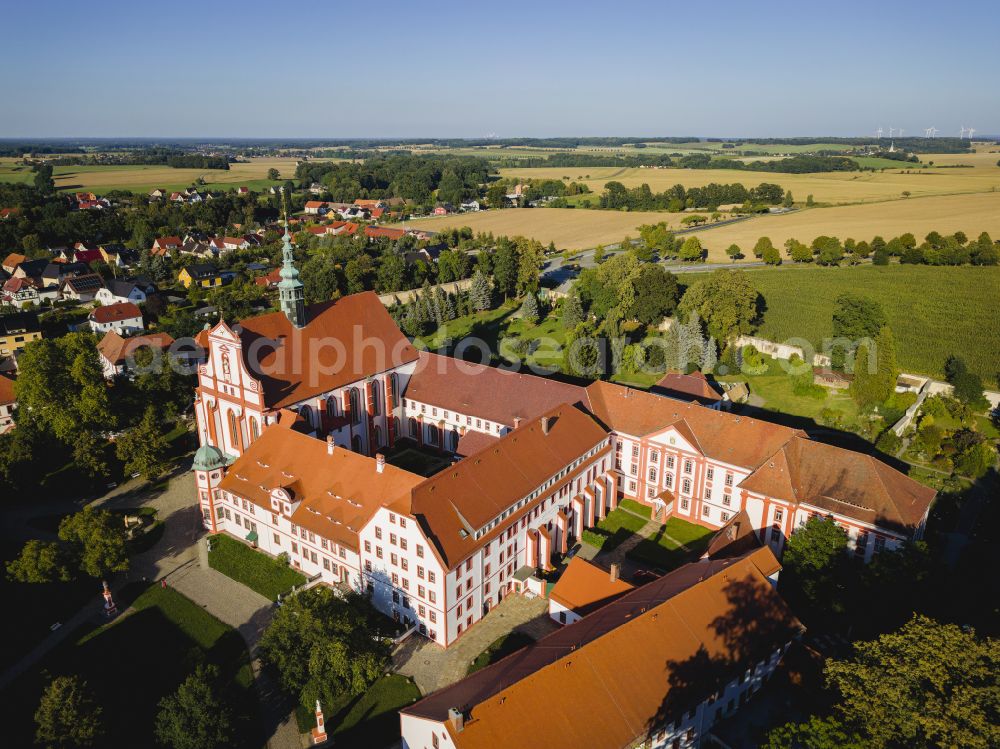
290,290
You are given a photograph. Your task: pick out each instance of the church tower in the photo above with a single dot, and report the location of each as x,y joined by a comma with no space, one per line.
290,290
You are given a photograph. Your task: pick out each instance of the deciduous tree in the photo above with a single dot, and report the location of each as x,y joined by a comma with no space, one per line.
67,715
194,717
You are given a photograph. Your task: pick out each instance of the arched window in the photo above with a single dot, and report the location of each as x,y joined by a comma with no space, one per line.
454,440
356,443
234,434
378,436
331,407
394,384
432,435
376,398
254,429
414,428
395,428
306,414
355,399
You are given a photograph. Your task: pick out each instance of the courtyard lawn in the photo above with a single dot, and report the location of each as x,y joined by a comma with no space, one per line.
258,571
368,720
609,533
500,648
133,662
665,548
636,508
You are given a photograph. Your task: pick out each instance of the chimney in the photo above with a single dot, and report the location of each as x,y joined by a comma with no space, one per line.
517,421
615,570
379,462
546,424
456,718
330,445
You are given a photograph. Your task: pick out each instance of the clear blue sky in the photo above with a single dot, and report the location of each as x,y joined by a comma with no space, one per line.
466,69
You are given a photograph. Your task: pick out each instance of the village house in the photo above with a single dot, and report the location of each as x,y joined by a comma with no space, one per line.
13,260
31,269
55,273
82,288
122,317
119,256
203,274
116,291
117,354
443,209
163,245
8,402
18,292
17,329
658,667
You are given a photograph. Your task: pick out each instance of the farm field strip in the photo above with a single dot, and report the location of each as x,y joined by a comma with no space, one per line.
934,312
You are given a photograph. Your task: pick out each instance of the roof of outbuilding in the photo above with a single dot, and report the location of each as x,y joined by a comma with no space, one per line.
116,349
115,312
584,587
694,386
627,668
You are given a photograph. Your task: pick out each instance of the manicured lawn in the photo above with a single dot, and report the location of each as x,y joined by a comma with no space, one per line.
662,549
135,661
613,530
637,508
369,720
256,570
479,324
500,648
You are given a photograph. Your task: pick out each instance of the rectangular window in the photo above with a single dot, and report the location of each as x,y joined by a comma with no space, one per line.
684,504
393,559
420,551
778,515
706,511
430,576
668,480
687,466
725,517
670,461
402,544
726,500
392,539
652,474
368,547
378,532
687,486
420,572
378,551
729,479
654,456
710,473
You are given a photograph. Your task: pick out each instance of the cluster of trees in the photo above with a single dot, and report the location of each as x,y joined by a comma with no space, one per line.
800,164
677,198
413,178
657,239
920,681
173,157
533,189
67,413
325,647
936,249
624,289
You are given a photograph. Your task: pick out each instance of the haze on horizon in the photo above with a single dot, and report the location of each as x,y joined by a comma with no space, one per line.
448,69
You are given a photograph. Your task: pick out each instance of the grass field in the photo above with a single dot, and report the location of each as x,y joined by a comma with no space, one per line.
136,660
569,228
609,533
969,213
826,187
256,570
102,179
933,311
662,549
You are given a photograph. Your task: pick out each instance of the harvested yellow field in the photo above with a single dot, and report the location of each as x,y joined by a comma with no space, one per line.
826,187
972,214
569,228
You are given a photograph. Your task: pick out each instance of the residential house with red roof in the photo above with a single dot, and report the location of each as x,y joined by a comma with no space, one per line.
117,353
122,317
8,402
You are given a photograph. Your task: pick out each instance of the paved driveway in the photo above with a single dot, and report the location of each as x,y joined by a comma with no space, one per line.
432,667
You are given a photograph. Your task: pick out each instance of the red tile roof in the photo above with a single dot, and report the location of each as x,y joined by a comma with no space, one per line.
376,232
844,482
115,312
350,324
339,492
459,386
584,587
694,386
13,260
462,499
116,349
627,668
7,391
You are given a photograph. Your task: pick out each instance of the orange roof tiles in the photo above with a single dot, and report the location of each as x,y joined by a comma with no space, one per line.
694,386
737,440
842,482
584,587
348,339
339,493
114,312
13,260
629,667
116,349
7,391
459,500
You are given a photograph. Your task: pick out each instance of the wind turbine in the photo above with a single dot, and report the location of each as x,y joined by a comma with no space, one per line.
934,132
961,131
900,132
927,132
878,134
890,131
971,131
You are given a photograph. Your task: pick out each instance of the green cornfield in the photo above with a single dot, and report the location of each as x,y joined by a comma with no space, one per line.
934,312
